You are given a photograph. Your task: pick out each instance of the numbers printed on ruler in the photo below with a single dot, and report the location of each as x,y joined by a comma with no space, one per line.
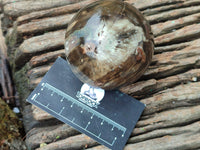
69,105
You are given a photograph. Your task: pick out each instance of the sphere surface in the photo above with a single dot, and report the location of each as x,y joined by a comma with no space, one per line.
109,44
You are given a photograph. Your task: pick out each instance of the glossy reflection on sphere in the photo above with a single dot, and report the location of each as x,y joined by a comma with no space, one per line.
109,44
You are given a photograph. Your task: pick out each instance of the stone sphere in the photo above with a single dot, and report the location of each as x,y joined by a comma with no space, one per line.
109,44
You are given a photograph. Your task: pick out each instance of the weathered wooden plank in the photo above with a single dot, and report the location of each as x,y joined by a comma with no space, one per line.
51,24
147,88
181,96
30,123
173,141
24,7
170,26
164,132
194,45
49,134
170,63
177,56
38,72
82,142
169,88
37,45
170,118
174,62
58,38
4,2
163,65
71,8
39,114
173,14
142,4
183,34
170,138
178,5
164,71
48,23
179,138
33,83
46,58
100,147
44,25
151,86
144,89
175,47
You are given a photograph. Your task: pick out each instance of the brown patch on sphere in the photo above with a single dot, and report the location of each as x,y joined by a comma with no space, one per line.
109,44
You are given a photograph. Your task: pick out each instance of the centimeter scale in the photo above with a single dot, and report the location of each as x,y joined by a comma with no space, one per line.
106,116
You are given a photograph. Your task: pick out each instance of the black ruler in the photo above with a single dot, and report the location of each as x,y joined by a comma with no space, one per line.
109,121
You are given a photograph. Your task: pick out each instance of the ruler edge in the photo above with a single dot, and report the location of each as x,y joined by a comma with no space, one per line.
142,106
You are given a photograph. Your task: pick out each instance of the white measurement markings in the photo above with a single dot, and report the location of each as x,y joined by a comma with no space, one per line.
72,105
43,86
35,96
63,107
87,125
83,106
62,110
73,120
111,144
99,135
52,93
114,140
112,128
92,116
102,122
62,99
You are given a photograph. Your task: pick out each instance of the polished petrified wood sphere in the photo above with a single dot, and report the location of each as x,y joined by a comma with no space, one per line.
109,44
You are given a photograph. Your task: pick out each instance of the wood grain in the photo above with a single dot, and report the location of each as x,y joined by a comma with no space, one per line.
169,88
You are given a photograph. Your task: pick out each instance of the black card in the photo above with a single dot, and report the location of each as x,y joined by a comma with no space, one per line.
106,116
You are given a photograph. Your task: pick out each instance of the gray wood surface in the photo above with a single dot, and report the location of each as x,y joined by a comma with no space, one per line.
170,87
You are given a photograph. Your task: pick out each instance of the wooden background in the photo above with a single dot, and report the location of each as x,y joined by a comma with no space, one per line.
34,32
